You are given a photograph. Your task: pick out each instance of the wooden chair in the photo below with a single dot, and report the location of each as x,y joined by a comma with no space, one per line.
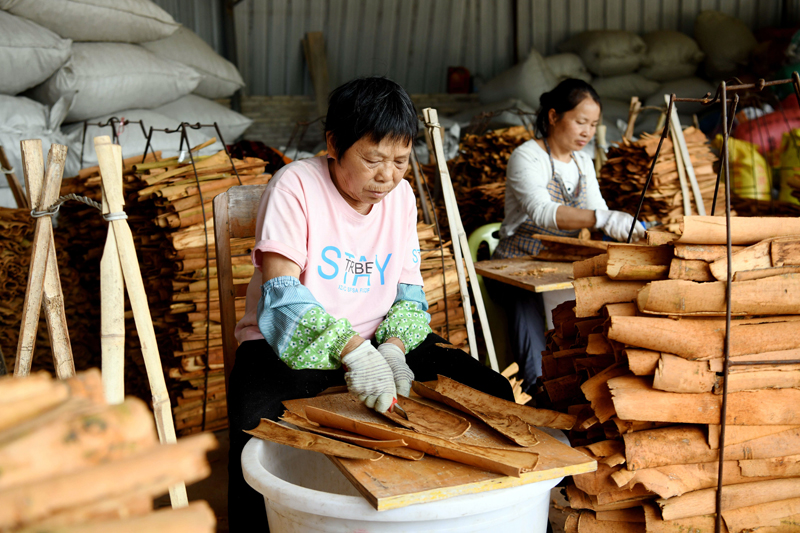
234,218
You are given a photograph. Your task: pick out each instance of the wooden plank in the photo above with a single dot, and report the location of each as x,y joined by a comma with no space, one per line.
316,58
528,274
391,482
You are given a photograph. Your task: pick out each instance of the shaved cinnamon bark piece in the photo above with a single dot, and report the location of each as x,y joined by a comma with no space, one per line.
761,273
744,230
500,410
708,253
591,294
396,447
429,420
693,270
588,523
596,391
635,399
594,266
272,431
638,262
738,434
642,362
787,466
500,461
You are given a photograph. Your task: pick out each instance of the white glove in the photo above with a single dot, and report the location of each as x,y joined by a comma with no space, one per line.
403,376
369,377
617,225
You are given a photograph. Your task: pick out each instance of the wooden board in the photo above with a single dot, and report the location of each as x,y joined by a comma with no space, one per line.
528,273
392,483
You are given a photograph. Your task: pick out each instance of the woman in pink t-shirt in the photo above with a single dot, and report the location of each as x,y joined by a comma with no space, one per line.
338,284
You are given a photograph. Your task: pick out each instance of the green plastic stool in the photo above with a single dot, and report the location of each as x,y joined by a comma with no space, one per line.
498,322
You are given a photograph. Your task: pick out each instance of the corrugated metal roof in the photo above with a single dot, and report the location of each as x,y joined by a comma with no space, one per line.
414,41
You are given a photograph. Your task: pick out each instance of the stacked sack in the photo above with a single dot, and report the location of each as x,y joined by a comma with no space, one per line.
130,60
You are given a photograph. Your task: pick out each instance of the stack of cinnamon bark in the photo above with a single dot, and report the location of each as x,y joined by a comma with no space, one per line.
70,462
438,267
638,359
623,176
172,220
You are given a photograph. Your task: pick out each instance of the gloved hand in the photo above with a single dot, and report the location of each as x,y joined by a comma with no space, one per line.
617,225
369,377
403,376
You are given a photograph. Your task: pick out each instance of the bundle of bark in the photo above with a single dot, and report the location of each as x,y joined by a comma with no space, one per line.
623,176
479,176
440,282
172,220
637,358
70,462
16,237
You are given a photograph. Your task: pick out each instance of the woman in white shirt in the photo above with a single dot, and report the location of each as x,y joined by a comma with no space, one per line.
552,189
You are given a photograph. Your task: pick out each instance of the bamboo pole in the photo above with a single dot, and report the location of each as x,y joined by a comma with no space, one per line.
112,319
459,245
43,283
682,158
109,157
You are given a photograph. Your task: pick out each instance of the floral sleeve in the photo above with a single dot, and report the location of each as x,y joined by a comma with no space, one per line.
407,319
296,326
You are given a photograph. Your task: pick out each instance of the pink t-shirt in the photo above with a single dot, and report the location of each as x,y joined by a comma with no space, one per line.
350,262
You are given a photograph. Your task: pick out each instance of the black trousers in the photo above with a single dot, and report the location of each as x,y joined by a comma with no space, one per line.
260,381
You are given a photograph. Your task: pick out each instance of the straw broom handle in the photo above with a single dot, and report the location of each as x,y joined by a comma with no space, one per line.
112,319
109,157
459,244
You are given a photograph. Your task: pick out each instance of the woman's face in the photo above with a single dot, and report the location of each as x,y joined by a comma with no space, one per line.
576,127
368,172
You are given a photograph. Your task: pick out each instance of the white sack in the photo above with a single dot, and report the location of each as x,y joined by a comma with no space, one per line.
29,54
133,141
624,87
22,119
525,81
565,66
194,109
685,88
726,41
221,78
108,77
504,119
670,55
126,21
608,52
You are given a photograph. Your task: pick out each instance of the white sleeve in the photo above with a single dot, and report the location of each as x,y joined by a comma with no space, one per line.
594,199
527,177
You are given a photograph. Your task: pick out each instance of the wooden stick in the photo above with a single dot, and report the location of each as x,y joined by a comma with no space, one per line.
109,157
459,244
633,113
13,183
682,158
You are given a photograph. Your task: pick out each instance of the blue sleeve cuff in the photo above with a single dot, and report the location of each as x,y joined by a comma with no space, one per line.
284,301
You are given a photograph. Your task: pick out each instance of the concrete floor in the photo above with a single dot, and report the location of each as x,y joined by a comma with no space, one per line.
214,490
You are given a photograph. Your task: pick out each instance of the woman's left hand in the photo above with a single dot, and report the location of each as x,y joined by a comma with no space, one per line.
396,357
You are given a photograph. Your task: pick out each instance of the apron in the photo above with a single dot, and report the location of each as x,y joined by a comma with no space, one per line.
522,242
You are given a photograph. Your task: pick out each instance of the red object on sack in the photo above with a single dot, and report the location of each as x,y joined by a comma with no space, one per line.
767,132
457,80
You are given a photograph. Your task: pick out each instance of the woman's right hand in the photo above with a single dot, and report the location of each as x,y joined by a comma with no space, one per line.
369,377
617,225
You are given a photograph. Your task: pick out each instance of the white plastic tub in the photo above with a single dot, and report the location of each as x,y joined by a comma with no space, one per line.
304,492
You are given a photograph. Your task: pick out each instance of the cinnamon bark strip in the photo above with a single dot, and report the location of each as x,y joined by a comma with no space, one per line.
591,294
744,230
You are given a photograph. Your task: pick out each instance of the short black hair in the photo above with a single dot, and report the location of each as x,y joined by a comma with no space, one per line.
374,107
565,97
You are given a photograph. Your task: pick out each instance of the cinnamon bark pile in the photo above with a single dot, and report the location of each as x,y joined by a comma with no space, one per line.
70,462
638,359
